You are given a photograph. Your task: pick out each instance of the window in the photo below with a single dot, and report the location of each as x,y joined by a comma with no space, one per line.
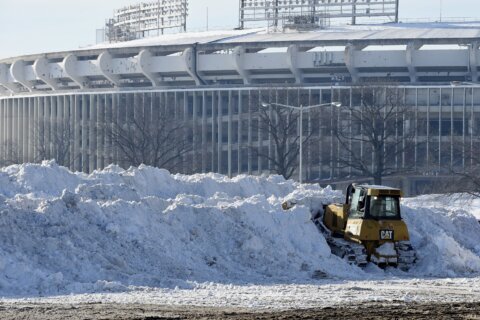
446,127
357,208
384,207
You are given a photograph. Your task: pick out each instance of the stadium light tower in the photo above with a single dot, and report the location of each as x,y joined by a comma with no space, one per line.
146,19
346,11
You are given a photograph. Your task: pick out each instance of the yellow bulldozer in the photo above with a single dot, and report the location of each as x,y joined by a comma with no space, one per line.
368,227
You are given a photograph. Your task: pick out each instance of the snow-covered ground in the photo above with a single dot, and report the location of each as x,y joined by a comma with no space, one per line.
143,235
325,293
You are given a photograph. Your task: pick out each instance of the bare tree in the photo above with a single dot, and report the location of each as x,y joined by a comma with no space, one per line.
9,153
150,138
465,178
376,121
54,142
282,126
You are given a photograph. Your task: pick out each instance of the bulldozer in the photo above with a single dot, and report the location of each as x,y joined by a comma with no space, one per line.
368,227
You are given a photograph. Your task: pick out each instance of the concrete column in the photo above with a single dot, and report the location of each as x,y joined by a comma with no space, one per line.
464,127
42,71
404,130
204,132
46,127
260,138
145,62
35,128
250,132
116,121
107,126
292,62
153,109
186,165
428,129
412,47
214,132
4,79
42,136
238,61
15,133
21,129
349,57
230,115
61,130
239,132
451,128
17,71
31,129
69,66
270,143
195,134
9,136
92,131
309,165
53,127
220,133
440,129
2,126
25,128
332,123
76,120
473,57
415,141
69,112
105,66
100,120
190,61
84,145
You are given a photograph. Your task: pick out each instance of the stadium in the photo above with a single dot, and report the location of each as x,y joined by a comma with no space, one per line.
213,84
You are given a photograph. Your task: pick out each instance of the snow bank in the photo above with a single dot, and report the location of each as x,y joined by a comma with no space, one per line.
115,230
446,237
66,232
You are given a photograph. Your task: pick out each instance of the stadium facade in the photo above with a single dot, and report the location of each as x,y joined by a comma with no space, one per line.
213,82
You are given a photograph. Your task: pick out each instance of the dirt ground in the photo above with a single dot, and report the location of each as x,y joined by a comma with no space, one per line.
155,312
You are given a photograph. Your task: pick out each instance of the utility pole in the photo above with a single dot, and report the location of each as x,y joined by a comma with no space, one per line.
397,7
241,14
185,15
276,14
354,12
441,10
158,17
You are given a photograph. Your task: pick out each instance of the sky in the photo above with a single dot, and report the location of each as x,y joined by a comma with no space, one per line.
36,26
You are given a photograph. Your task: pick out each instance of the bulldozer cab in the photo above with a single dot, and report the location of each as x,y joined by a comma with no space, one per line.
370,202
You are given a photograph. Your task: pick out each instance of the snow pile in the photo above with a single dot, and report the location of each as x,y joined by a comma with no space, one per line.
116,230
65,232
446,237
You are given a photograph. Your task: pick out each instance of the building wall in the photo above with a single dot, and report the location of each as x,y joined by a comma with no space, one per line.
221,126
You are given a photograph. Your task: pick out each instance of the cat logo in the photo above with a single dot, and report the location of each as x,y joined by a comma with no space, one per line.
386,234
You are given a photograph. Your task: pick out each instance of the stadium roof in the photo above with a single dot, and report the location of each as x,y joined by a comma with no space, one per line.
401,31
361,35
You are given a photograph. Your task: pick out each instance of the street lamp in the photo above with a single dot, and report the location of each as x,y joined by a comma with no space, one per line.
301,109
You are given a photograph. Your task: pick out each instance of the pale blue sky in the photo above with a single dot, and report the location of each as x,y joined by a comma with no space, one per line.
35,26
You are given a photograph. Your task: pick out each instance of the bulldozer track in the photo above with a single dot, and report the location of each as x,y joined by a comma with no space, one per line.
353,253
406,255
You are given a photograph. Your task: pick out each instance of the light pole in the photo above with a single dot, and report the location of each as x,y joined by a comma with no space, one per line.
301,109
